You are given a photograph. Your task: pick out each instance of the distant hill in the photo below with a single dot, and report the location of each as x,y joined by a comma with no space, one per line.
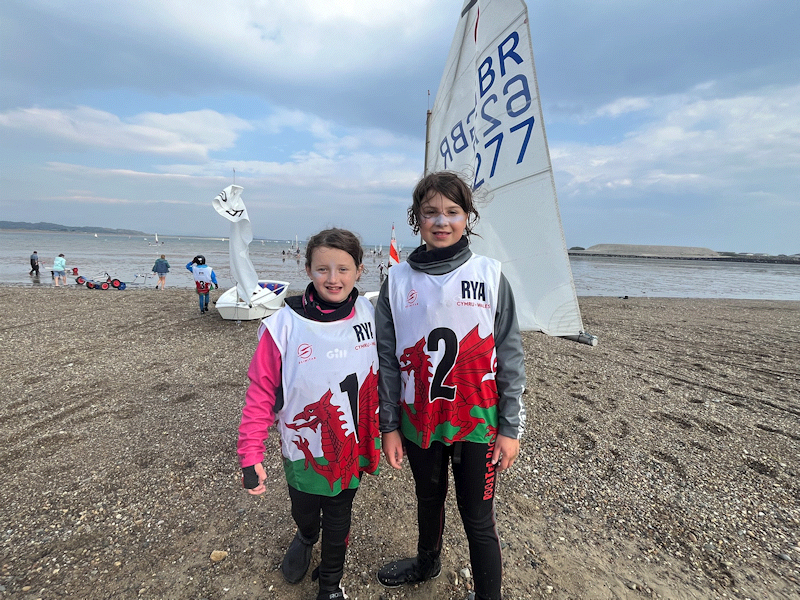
657,251
678,252
23,226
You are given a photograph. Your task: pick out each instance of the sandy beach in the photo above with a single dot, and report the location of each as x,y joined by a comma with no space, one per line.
662,463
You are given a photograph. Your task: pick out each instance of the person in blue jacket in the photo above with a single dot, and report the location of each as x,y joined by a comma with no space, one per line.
204,278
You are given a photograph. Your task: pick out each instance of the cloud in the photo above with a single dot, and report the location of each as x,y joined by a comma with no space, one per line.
691,142
191,134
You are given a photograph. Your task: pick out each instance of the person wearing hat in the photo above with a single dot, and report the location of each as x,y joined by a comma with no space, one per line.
204,277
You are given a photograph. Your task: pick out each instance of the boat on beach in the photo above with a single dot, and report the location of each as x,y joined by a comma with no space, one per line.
486,124
261,305
251,298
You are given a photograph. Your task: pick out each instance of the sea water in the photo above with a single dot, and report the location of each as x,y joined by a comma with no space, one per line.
676,278
131,259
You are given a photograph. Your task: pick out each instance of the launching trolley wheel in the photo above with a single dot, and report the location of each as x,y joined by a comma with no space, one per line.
122,285
80,280
116,283
104,286
90,285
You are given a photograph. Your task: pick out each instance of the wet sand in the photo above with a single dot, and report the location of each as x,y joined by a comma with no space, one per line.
664,462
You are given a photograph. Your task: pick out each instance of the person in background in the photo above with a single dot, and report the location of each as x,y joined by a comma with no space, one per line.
315,370
161,267
204,278
34,264
60,269
452,375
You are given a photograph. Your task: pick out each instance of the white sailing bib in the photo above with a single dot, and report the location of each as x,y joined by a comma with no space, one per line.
444,327
329,420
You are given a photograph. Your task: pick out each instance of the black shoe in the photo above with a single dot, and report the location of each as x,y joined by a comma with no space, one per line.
409,570
337,595
297,558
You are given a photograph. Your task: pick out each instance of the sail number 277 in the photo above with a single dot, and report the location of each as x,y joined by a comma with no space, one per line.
490,110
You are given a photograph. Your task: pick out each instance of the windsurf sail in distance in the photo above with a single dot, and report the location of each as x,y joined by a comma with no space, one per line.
394,253
486,124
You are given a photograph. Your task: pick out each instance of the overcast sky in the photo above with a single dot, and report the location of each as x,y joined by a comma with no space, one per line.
672,123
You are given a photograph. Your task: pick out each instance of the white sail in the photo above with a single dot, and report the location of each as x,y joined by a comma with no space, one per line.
230,205
156,238
487,124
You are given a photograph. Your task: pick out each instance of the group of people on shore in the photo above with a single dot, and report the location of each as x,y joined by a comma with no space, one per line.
433,374
204,275
59,270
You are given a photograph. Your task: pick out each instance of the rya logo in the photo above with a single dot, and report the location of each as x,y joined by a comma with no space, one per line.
473,290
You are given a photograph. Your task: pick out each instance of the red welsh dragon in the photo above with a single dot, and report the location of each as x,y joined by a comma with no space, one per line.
474,360
341,449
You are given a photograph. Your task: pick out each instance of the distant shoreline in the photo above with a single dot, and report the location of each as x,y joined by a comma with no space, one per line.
764,259
24,226
677,254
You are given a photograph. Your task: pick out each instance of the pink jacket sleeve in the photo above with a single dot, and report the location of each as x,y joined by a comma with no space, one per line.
259,408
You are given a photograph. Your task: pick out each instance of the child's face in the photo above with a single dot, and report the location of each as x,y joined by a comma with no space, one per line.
441,222
333,273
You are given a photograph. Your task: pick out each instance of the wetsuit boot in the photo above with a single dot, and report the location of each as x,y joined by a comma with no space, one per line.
425,565
297,558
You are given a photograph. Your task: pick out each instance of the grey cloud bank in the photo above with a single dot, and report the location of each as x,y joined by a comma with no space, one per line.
668,124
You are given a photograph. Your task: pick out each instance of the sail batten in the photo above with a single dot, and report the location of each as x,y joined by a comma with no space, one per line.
486,123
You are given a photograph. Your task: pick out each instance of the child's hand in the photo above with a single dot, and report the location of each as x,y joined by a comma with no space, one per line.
253,479
506,450
392,444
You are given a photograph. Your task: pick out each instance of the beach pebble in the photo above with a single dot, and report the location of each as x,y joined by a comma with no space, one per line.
465,574
218,555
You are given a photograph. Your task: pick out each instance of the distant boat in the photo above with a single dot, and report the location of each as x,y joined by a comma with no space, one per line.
394,253
95,235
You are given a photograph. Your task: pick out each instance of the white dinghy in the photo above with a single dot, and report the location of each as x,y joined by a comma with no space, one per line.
262,303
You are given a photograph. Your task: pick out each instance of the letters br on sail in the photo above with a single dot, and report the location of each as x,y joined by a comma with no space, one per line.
487,124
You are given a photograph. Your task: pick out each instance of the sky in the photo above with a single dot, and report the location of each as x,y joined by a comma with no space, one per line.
668,123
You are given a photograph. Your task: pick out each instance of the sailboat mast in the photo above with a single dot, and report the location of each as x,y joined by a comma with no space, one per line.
427,136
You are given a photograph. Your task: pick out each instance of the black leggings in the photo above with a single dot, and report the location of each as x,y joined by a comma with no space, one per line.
336,510
475,479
